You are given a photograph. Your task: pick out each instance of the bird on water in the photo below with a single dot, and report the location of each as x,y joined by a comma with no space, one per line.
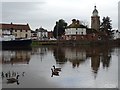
12,80
56,73
56,69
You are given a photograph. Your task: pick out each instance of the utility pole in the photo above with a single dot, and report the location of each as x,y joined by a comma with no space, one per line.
57,29
57,23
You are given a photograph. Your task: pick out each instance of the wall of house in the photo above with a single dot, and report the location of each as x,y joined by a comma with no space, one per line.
81,37
41,35
22,33
116,35
75,31
0,32
6,32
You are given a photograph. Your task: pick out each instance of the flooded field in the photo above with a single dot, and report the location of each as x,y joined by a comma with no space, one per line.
81,67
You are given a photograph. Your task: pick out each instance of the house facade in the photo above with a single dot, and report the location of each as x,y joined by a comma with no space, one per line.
33,35
75,31
116,34
20,31
42,34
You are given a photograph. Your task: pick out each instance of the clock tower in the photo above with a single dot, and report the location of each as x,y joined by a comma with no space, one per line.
95,19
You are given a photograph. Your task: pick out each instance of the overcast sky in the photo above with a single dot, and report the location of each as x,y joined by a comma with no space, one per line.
45,13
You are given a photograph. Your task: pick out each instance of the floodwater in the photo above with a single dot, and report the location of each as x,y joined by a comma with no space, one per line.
81,67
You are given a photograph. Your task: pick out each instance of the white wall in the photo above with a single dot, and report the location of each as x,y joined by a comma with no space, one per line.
5,31
40,35
0,32
116,35
74,54
75,31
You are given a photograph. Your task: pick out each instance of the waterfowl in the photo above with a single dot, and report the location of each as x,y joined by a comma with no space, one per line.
23,73
2,74
56,73
12,80
56,69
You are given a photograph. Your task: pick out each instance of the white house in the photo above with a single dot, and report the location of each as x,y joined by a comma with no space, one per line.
116,34
75,31
42,34
20,31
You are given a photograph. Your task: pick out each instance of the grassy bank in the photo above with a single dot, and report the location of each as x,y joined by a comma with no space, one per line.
37,43
73,42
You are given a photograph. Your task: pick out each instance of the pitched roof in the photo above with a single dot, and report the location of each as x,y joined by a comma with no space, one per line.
41,30
76,24
15,26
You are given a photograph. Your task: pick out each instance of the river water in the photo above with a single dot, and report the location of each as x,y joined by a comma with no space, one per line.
81,67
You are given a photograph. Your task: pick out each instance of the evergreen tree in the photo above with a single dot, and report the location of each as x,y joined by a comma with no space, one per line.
106,26
59,28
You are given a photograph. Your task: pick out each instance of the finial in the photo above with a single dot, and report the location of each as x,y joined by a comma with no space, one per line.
95,6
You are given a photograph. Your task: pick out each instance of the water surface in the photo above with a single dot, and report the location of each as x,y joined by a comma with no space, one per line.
82,67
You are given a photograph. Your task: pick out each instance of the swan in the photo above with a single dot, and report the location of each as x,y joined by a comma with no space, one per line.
56,73
56,69
12,80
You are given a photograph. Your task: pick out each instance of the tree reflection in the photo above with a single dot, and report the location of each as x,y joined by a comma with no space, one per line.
78,55
99,55
105,58
59,55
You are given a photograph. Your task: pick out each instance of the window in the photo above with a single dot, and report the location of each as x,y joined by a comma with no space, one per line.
76,32
82,33
26,35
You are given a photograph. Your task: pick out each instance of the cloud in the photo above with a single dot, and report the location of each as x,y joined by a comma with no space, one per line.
21,12
119,15
46,12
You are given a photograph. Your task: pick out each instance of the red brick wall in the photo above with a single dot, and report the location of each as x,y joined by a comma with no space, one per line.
81,37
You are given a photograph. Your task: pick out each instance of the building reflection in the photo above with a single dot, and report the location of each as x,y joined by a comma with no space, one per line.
75,55
59,55
79,54
40,51
16,57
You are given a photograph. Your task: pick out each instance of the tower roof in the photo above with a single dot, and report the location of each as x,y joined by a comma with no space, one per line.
95,10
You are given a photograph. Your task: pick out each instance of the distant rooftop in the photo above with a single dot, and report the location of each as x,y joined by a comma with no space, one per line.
15,26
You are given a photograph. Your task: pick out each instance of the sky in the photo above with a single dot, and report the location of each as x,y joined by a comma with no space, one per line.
119,16
45,13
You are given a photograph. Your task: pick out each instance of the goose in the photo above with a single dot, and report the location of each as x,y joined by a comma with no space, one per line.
56,69
23,73
12,80
56,73
2,74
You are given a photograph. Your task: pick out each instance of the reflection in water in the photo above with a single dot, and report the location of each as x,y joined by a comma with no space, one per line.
76,62
59,55
15,57
42,51
79,54
12,77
